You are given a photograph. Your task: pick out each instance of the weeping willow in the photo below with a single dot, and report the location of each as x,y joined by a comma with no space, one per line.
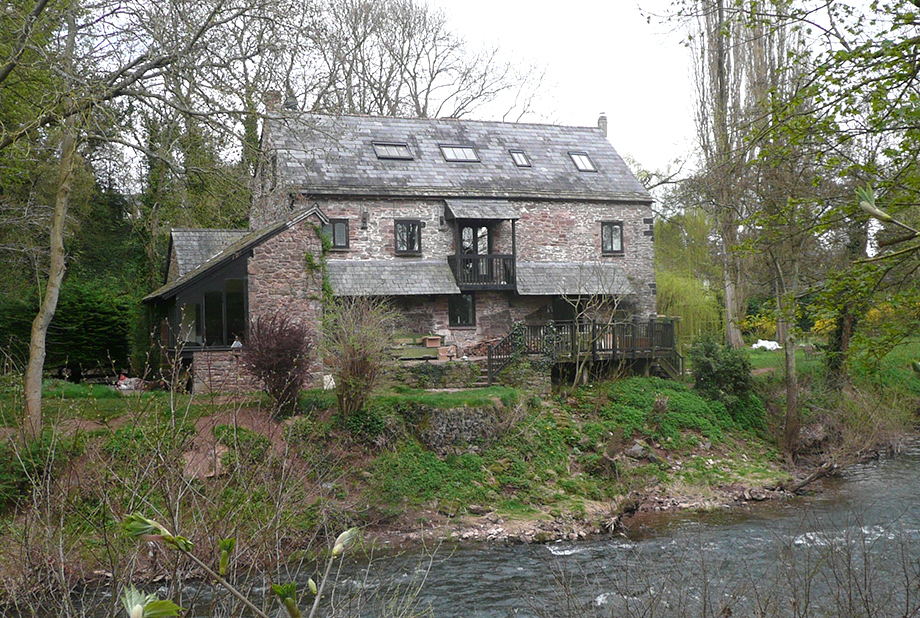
686,297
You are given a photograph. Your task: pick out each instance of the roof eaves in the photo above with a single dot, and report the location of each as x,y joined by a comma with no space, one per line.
439,193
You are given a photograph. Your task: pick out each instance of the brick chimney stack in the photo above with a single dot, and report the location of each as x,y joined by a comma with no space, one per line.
272,100
602,123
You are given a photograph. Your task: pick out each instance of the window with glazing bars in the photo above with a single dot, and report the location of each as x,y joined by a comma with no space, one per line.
393,150
612,237
462,154
520,159
408,234
337,233
583,162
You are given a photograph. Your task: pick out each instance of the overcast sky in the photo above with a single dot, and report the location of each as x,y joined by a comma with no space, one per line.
600,56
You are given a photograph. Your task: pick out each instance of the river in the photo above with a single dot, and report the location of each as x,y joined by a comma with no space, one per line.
852,550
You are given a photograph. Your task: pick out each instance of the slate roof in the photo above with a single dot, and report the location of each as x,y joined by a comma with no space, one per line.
390,277
481,209
231,252
565,278
334,155
193,248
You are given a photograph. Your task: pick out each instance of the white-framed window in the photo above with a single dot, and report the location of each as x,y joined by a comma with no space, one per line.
459,154
583,162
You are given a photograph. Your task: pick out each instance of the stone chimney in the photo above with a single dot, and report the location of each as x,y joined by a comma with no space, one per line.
290,101
272,100
602,123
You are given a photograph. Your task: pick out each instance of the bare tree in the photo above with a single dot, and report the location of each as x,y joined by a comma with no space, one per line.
400,58
83,60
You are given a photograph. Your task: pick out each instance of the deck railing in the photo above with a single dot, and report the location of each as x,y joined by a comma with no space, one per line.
483,272
572,341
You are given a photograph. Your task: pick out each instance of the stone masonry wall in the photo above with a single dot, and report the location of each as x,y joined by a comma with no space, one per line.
546,232
221,371
282,279
495,313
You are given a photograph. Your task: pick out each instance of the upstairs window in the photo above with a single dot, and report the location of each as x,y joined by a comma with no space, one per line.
393,150
461,154
337,233
612,237
583,162
408,234
520,159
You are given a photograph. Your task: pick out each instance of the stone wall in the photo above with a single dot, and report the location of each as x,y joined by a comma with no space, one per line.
495,313
546,232
221,371
283,279
280,278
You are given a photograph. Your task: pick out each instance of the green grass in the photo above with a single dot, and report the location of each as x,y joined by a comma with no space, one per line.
473,398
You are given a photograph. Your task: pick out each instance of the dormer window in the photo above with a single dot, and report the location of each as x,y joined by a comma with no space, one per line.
520,159
459,154
583,162
393,150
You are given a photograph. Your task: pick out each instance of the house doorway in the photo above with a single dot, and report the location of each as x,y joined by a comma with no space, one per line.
476,239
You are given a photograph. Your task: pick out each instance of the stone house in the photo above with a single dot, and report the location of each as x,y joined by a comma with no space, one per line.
467,226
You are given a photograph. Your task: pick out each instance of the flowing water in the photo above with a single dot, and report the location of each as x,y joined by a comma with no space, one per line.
852,551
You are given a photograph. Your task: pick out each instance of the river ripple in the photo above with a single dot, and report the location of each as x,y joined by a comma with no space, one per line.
851,551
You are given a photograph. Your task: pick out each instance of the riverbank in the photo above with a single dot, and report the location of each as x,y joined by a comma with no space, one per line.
498,466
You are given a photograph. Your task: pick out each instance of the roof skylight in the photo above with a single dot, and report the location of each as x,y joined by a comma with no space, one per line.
520,159
393,150
583,162
462,154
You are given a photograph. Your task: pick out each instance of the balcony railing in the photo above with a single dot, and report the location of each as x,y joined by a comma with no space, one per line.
483,272
653,340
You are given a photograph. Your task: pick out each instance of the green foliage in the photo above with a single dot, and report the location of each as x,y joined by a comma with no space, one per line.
630,405
369,421
357,336
247,447
69,390
472,398
415,475
685,275
23,466
722,373
316,399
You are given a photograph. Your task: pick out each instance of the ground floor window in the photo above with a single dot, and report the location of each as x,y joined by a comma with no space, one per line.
217,318
461,310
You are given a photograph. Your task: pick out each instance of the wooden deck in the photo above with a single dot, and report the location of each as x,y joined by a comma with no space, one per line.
569,342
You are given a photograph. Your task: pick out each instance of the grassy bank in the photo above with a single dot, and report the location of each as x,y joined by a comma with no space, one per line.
219,467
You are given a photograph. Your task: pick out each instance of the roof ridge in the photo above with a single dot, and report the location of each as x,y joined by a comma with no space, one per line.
436,120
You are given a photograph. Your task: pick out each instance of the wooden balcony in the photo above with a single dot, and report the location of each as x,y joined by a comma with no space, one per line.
568,342
483,272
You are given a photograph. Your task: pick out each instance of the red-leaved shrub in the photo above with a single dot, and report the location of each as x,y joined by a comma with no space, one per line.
278,352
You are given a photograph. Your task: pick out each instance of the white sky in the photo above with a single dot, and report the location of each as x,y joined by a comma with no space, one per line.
600,56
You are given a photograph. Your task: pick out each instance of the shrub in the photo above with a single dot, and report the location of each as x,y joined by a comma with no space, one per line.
278,352
721,373
357,339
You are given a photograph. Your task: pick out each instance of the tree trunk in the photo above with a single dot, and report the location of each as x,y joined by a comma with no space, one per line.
791,436
32,381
